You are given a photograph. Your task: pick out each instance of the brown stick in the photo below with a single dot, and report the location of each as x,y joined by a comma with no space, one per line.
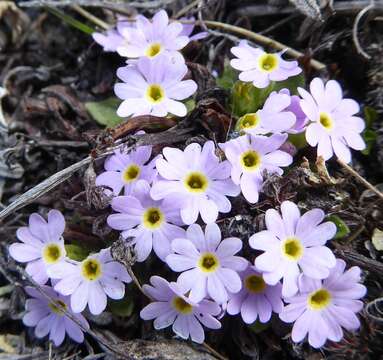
354,173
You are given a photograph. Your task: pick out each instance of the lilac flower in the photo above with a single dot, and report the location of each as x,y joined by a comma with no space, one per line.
195,181
151,38
42,244
250,156
322,308
49,317
114,38
187,29
126,170
208,265
260,67
274,117
294,243
172,307
334,126
153,87
149,222
91,281
256,299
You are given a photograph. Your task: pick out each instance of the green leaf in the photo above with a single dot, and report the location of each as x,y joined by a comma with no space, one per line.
228,77
104,112
190,105
341,228
370,115
76,252
291,83
246,98
258,327
369,137
123,308
70,20
298,140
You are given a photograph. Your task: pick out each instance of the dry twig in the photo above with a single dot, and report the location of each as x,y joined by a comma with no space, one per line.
360,178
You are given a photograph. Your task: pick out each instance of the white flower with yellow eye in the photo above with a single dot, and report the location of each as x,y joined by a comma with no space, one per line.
42,244
153,87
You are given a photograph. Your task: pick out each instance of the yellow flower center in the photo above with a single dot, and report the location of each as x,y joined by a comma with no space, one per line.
268,62
131,173
208,262
319,299
153,50
326,121
292,249
250,160
182,306
91,269
153,218
196,182
155,93
58,307
52,253
249,121
255,284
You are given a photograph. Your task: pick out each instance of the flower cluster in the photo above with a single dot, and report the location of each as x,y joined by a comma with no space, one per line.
75,284
158,201
152,83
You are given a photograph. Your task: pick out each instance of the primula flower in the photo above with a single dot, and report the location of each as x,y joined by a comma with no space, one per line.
334,126
195,181
250,156
125,170
294,243
49,317
111,39
91,281
42,244
256,299
295,108
153,87
149,222
208,265
274,117
260,67
172,307
151,38
322,308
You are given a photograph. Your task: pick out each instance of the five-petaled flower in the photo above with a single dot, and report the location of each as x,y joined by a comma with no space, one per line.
256,298
151,224
195,181
208,265
91,281
49,316
152,38
260,67
42,244
322,307
250,156
293,244
334,127
112,39
153,86
275,116
172,307
126,170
